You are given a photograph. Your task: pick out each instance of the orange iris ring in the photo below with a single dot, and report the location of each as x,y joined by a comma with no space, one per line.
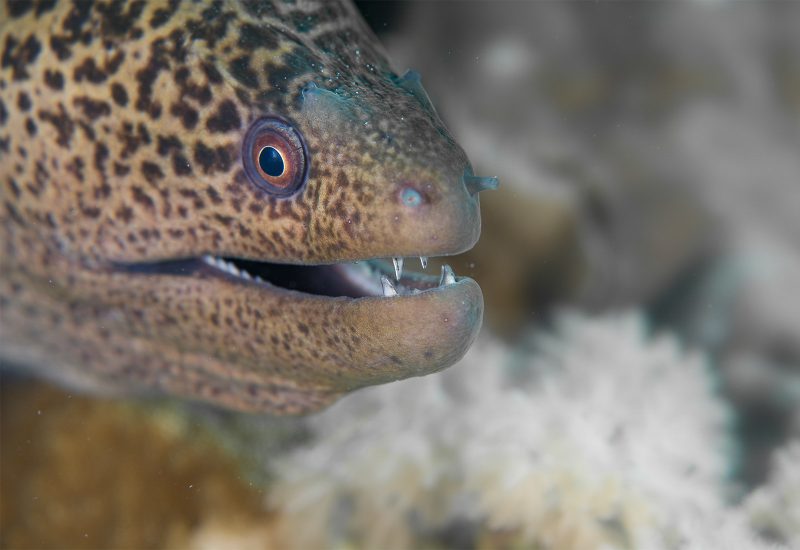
280,135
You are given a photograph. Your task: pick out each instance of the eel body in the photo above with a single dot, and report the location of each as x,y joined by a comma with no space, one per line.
195,196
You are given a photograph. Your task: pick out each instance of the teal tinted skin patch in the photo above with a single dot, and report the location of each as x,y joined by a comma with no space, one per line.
197,195
410,197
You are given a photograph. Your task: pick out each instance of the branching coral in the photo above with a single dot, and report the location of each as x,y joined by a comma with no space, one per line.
595,436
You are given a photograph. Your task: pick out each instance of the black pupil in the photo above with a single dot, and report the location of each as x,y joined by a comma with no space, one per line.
270,161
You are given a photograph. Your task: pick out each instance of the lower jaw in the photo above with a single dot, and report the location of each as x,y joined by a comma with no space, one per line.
231,330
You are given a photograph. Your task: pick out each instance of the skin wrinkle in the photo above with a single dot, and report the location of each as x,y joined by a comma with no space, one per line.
121,132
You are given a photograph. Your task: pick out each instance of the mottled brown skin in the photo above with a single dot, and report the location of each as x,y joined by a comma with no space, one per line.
121,129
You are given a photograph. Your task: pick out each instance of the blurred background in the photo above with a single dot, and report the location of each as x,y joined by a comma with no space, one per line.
649,159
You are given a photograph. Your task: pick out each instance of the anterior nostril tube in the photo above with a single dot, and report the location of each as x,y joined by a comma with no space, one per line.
476,184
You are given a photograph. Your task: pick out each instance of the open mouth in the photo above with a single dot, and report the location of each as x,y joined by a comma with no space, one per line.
366,278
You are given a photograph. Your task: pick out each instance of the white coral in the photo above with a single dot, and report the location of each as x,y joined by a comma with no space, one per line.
598,436
775,507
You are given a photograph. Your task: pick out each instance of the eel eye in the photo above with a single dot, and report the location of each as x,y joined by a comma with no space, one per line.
275,156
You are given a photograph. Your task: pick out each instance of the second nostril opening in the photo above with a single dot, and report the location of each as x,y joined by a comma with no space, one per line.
411,197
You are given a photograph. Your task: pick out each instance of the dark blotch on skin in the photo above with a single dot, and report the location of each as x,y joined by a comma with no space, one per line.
118,94
147,76
23,101
124,214
93,109
63,124
151,172
303,22
60,47
163,15
241,71
167,144
30,126
116,20
259,8
121,169
204,156
186,114
20,56
212,73
180,165
54,80
18,8
225,119
77,18
115,62
75,167
142,198
88,70
213,195
182,75
43,6
280,78
212,25
253,36
100,156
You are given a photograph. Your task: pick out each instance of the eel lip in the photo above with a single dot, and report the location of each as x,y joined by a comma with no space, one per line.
424,332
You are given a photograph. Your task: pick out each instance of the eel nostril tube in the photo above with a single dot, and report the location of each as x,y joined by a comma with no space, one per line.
476,184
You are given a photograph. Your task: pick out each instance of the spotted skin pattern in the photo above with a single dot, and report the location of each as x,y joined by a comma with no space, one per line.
121,130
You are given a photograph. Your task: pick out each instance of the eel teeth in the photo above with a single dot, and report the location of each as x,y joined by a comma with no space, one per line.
227,267
448,277
423,261
388,287
398,268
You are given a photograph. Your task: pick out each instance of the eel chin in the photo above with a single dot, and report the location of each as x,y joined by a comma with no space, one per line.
293,338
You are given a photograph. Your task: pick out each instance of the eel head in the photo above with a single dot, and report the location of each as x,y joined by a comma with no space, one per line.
249,252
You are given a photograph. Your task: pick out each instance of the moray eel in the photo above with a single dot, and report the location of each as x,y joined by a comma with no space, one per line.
195,197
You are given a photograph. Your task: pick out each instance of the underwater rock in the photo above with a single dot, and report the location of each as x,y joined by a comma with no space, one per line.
81,472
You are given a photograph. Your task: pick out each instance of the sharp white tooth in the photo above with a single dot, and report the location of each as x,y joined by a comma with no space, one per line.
423,260
398,267
448,277
208,259
230,268
245,275
388,286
